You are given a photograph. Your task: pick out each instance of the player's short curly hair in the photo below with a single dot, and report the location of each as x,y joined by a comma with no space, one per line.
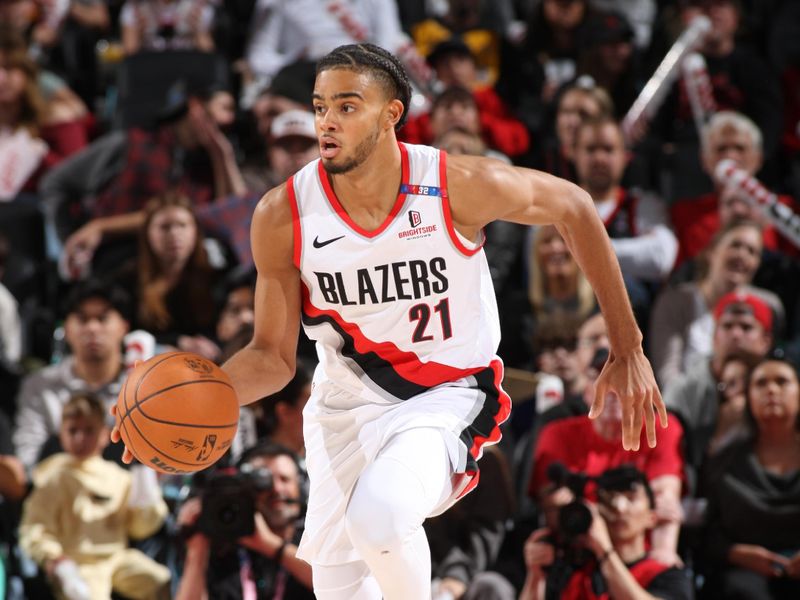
380,63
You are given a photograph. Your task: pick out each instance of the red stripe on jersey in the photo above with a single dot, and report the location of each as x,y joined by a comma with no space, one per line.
406,364
494,435
330,194
448,217
297,241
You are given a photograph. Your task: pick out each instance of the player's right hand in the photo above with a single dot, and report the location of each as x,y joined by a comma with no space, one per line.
631,378
127,455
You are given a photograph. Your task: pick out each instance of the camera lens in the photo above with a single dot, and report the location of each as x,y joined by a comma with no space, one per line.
574,519
228,514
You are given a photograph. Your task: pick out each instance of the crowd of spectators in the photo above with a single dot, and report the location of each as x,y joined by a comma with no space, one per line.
137,136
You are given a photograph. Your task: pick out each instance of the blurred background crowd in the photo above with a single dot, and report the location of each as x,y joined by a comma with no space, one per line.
136,137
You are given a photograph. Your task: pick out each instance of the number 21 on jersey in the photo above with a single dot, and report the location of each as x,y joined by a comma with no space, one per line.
421,313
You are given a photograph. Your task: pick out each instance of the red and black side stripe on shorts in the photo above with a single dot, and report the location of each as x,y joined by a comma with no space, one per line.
485,428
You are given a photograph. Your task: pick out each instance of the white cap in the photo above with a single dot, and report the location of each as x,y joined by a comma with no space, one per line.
294,122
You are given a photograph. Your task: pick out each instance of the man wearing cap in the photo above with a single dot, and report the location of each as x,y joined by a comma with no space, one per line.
95,324
609,57
743,324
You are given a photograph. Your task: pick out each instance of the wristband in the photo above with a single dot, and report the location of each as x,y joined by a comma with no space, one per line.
279,554
605,556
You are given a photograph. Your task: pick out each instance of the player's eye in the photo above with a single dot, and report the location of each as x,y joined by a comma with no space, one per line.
319,109
348,108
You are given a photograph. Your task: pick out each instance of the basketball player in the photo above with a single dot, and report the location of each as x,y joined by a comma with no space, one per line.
376,247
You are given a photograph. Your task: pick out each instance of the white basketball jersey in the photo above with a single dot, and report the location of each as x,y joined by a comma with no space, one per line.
400,309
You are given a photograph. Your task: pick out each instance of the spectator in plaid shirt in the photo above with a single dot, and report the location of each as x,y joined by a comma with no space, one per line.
114,177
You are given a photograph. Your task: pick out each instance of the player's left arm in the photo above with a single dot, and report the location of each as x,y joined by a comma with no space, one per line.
483,190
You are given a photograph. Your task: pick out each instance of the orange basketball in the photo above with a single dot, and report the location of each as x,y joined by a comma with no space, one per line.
177,412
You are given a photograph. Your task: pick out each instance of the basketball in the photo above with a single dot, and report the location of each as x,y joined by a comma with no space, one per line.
177,412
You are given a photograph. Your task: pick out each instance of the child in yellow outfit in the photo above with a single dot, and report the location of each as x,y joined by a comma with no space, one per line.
83,509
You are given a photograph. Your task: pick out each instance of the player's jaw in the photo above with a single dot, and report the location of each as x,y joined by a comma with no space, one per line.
337,160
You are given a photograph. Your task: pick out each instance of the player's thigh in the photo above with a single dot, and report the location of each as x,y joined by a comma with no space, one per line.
139,577
421,454
349,581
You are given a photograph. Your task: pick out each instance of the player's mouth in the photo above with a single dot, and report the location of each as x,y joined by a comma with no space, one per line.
329,147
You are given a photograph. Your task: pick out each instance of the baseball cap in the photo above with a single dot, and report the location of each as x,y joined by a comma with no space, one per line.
606,28
298,123
453,46
295,81
745,303
116,296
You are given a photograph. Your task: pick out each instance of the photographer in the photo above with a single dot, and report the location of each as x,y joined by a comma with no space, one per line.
238,549
609,560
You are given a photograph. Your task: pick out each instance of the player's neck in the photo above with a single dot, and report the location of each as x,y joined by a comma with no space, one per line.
374,183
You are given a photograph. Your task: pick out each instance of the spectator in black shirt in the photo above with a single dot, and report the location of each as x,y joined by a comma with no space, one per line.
753,488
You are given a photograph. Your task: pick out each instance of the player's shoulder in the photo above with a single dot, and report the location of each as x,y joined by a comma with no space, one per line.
274,208
475,177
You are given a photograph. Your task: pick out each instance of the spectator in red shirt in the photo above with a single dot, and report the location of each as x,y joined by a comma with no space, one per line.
455,67
732,136
593,446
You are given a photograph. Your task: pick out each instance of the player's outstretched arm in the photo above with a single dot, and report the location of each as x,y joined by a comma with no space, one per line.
484,190
267,363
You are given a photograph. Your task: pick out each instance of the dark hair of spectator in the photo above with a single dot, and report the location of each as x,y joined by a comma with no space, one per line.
153,312
116,297
290,394
624,478
381,64
5,250
453,95
748,359
268,450
540,36
777,356
14,55
704,258
240,277
595,123
559,329
84,405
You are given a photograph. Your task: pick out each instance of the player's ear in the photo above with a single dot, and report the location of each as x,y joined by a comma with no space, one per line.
394,111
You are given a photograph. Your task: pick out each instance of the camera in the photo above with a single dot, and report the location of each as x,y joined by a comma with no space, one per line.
575,520
229,501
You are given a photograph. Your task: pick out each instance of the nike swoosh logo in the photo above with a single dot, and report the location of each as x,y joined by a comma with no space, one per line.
318,244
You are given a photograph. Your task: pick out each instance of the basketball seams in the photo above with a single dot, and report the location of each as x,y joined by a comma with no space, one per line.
131,426
194,465
139,403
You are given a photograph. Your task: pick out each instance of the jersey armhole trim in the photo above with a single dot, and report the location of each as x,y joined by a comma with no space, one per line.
297,242
455,237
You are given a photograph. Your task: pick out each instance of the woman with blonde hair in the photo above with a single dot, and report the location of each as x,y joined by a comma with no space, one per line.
555,283
35,134
682,324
